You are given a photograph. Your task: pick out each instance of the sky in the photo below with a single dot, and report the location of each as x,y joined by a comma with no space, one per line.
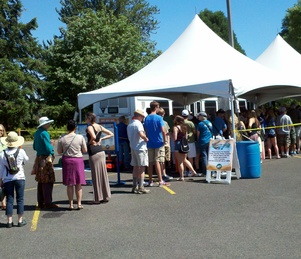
256,23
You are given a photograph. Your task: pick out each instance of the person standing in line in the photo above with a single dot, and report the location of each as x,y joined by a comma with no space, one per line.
138,146
43,167
154,127
204,134
219,125
284,123
72,146
295,115
97,159
179,132
3,147
191,134
271,134
165,154
12,175
124,149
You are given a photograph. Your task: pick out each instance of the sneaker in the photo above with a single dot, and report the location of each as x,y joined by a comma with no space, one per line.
167,177
186,173
191,174
161,184
143,191
151,183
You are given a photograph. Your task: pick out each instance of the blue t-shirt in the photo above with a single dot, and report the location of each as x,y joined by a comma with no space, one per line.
219,125
153,126
205,133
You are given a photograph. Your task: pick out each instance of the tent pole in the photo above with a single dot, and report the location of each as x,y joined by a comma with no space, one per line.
231,90
231,41
80,116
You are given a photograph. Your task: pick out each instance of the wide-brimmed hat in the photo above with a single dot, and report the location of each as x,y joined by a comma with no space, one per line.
12,140
140,112
43,121
204,114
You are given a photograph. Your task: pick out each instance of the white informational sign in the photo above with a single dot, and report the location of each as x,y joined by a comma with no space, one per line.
220,154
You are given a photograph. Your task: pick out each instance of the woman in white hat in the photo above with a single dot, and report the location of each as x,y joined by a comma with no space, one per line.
12,175
43,167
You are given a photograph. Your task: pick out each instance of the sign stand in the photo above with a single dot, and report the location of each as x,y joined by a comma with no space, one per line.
222,158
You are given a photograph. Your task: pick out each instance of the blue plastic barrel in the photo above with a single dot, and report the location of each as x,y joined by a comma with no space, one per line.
249,159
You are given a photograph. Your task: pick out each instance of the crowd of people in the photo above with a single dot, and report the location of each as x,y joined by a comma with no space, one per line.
149,143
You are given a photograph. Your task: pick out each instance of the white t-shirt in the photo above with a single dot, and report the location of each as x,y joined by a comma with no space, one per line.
21,159
136,142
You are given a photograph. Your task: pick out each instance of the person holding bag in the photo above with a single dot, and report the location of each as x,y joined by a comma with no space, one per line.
43,166
12,176
180,132
97,159
72,146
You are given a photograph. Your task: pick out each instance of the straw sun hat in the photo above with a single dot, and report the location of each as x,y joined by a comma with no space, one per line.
12,140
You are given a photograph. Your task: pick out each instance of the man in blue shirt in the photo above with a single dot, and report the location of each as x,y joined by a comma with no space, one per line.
154,127
219,124
204,134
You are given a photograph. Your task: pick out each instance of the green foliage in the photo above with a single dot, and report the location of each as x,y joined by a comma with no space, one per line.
291,26
21,83
60,113
96,50
138,12
218,22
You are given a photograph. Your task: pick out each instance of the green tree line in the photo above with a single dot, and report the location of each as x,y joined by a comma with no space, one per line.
102,42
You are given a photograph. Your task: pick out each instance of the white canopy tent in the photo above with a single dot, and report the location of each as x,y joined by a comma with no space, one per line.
281,57
197,65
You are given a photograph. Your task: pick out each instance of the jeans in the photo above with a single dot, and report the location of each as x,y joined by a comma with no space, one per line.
204,157
124,154
10,187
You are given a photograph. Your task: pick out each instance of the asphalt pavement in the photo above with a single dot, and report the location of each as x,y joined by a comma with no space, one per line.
250,218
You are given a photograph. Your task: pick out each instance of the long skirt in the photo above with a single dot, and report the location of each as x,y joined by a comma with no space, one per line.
73,171
100,179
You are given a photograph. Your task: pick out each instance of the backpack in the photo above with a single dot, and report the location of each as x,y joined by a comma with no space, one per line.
12,162
184,147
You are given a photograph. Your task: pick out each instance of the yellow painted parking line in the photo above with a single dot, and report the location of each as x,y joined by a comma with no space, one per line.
168,189
35,219
36,214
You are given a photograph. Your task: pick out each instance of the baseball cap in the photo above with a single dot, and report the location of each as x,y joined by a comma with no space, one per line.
185,113
204,114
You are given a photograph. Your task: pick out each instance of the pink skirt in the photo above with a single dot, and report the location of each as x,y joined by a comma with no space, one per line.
73,171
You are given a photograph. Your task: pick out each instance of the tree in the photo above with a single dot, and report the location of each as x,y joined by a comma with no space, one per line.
139,12
218,22
21,74
291,26
95,50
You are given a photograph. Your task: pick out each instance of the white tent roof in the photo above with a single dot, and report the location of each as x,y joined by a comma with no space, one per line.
197,65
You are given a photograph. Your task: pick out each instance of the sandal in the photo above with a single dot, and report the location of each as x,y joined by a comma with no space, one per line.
181,179
71,208
80,207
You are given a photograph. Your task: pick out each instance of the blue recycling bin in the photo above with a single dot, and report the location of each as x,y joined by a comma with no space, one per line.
248,153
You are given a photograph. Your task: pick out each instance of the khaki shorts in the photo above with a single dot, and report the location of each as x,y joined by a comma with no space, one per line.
139,158
167,152
283,140
156,154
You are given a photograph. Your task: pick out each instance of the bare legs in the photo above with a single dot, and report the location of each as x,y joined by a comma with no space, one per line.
78,193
